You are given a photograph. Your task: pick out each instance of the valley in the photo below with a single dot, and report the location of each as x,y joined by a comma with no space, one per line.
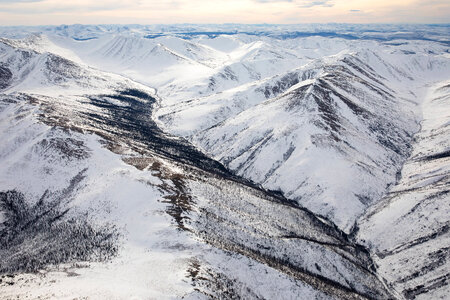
223,166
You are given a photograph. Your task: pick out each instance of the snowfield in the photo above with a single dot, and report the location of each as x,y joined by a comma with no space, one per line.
196,162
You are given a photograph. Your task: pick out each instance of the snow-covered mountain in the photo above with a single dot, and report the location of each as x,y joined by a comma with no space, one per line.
179,162
331,135
414,259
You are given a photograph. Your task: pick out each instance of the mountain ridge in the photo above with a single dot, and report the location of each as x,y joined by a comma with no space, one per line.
202,216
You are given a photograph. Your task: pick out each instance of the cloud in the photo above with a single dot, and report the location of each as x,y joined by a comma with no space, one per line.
323,3
354,10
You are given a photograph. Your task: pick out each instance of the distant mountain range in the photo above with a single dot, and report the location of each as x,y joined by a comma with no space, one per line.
225,161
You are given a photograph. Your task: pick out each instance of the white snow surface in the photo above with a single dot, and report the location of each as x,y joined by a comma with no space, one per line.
408,229
327,121
112,192
154,255
228,94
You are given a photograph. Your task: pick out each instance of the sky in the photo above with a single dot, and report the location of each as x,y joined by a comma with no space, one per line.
56,12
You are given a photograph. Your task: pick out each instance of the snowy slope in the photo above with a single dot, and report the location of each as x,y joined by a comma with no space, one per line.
111,197
417,208
155,62
355,112
126,204
336,138
31,67
145,255
295,137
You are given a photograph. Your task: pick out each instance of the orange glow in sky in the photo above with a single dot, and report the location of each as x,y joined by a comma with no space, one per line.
48,12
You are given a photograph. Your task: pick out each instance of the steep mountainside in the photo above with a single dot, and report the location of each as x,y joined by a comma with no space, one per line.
416,209
191,162
328,137
339,128
72,208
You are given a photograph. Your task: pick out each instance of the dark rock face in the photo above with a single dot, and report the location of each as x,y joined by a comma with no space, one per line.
66,149
60,69
285,82
5,77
